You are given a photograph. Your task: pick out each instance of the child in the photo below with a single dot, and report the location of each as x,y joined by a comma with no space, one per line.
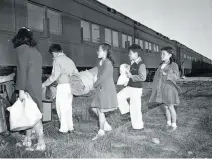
105,99
165,89
136,75
63,68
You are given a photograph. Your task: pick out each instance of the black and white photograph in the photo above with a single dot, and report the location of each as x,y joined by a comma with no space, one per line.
105,79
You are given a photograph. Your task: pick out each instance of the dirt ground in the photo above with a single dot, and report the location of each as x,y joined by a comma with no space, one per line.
193,138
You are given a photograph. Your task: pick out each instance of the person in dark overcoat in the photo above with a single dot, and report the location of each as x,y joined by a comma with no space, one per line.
164,87
105,98
29,78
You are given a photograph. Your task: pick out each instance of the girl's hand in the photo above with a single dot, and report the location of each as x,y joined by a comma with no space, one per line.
43,86
129,75
21,95
164,73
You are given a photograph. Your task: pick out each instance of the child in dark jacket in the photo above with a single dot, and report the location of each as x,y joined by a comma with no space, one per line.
164,89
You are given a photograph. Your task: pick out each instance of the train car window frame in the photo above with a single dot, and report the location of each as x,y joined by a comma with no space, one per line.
116,45
150,47
88,34
11,17
97,40
157,48
110,30
154,47
123,42
59,32
131,38
146,46
141,44
28,18
137,41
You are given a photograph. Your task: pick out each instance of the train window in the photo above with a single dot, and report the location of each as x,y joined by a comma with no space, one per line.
130,40
124,39
137,41
7,15
154,47
86,31
35,17
146,46
108,36
141,44
95,33
157,47
55,23
184,56
150,47
115,39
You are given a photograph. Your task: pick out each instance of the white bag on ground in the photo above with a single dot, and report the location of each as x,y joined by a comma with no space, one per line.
123,79
24,115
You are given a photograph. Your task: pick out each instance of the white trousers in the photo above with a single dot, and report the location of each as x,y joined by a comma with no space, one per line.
64,99
135,105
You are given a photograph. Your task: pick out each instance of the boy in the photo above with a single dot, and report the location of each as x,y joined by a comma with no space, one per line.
136,75
63,68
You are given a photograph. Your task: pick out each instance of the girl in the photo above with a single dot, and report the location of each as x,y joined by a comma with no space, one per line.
29,75
165,89
106,96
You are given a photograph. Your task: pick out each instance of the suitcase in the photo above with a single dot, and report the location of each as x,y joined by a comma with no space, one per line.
47,111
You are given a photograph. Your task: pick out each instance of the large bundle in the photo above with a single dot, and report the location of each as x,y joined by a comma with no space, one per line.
82,82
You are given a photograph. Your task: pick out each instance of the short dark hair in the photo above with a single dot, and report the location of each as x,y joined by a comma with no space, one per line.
55,48
24,36
135,48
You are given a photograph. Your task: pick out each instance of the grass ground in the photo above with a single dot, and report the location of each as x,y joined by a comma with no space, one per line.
193,138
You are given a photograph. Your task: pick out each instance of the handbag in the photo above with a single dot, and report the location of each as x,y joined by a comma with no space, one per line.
24,115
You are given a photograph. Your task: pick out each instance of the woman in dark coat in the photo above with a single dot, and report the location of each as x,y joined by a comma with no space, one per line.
105,99
29,78
164,88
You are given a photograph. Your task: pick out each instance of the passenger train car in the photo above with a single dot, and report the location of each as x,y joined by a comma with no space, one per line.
79,26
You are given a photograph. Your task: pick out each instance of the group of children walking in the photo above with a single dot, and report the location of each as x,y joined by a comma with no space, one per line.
29,72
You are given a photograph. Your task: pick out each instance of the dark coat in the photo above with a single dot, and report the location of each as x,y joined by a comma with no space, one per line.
106,96
164,88
29,73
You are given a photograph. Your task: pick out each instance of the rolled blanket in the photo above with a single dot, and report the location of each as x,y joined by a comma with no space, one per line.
82,82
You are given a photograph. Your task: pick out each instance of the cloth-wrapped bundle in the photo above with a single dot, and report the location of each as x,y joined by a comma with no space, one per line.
82,82
123,79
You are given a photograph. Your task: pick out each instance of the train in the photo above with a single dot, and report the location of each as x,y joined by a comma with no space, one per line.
79,26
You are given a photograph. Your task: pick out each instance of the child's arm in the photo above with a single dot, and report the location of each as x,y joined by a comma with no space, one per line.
141,74
54,75
173,75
